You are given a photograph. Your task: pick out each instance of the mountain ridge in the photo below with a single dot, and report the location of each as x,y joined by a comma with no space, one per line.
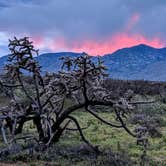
140,62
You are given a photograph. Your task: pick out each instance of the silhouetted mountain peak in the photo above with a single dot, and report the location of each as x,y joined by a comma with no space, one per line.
143,46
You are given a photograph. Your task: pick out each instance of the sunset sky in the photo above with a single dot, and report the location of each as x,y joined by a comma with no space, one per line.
94,26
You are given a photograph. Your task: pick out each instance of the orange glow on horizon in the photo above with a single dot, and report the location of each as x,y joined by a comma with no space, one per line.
118,41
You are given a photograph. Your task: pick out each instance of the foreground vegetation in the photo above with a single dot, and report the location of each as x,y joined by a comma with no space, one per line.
70,150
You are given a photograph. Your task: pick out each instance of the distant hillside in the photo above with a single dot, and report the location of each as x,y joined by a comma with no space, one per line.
51,61
140,62
137,63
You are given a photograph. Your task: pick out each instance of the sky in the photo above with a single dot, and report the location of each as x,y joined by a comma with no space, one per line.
97,27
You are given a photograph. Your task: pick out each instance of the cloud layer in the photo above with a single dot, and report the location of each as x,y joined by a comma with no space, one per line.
95,26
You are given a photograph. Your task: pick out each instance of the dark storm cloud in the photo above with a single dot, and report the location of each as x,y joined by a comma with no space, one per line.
152,17
82,18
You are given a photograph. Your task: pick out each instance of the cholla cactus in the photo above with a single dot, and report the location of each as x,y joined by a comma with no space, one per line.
80,79
142,139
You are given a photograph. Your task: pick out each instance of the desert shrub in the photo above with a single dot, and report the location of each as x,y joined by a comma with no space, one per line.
152,124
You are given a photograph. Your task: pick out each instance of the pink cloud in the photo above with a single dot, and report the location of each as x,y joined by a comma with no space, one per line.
132,21
38,41
93,47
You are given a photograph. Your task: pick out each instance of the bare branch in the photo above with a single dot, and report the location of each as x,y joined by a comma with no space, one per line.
82,135
101,119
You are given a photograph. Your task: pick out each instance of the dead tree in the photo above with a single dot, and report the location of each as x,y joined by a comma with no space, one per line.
80,80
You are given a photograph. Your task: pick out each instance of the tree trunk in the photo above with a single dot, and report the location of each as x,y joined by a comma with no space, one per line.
37,122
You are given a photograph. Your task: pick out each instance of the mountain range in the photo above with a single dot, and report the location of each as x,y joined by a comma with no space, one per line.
139,62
